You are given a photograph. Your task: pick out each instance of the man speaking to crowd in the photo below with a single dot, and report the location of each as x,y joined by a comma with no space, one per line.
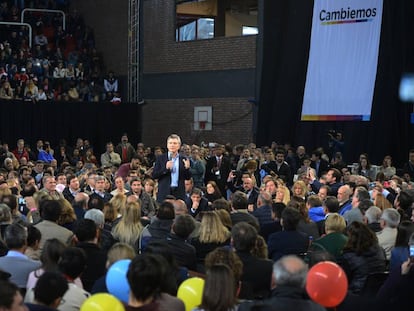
171,169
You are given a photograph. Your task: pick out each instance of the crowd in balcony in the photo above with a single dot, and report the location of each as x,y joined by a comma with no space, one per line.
61,65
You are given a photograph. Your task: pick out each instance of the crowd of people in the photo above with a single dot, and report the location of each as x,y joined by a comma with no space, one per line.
250,220
61,65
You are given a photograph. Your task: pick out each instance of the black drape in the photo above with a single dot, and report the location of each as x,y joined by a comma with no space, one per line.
285,41
52,121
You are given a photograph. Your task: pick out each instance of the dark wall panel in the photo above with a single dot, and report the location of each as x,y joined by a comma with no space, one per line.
98,122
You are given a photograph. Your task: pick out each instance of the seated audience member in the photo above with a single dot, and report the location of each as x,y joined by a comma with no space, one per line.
305,225
49,291
52,251
212,192
160,226
146,275
72,264
256,277
344,198
355,214
33,240
400,252
361,256
289,241
117,252
372,217
386,237
213,234
50,211
397,291
15,262
87,235
288,280
183,252
239,210
274,226
196,203
315,208
10,297
263,212
129,228
330,206
220,289
226,256
106,239
335,239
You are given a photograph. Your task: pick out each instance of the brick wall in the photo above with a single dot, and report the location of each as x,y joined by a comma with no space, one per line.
163,54
232,120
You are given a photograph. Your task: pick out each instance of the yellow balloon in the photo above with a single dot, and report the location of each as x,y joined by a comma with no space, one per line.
102,302
191,292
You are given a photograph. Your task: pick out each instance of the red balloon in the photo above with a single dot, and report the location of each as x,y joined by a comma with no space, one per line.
327,284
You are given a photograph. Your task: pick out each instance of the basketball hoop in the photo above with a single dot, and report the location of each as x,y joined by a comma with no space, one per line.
202,125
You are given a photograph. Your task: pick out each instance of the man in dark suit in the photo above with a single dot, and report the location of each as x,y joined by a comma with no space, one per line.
99,191
171,170
252,193
218,168
257,272
196,203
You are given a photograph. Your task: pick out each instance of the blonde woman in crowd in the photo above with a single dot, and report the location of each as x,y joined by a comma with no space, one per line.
213,234
129,228
282,195
299,189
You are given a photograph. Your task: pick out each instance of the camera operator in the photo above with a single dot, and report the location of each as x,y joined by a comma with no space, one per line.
336,143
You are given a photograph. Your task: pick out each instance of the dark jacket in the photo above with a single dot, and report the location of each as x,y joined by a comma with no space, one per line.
283,298
263,215
287,243
256,277
95,264
164,177
183,252
357,267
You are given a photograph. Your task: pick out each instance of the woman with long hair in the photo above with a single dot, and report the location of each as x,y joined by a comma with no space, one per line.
282,194
129,227
400,252
213,234
299,189
50,256
362,255
220,290
212,192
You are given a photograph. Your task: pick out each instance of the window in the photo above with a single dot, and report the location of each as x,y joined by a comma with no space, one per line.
205,19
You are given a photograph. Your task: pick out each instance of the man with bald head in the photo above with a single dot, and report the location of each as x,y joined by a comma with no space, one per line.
344,198
288,282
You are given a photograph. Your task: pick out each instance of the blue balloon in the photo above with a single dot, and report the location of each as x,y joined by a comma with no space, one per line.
116,280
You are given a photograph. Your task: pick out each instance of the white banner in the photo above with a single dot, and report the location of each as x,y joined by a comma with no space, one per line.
343,60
